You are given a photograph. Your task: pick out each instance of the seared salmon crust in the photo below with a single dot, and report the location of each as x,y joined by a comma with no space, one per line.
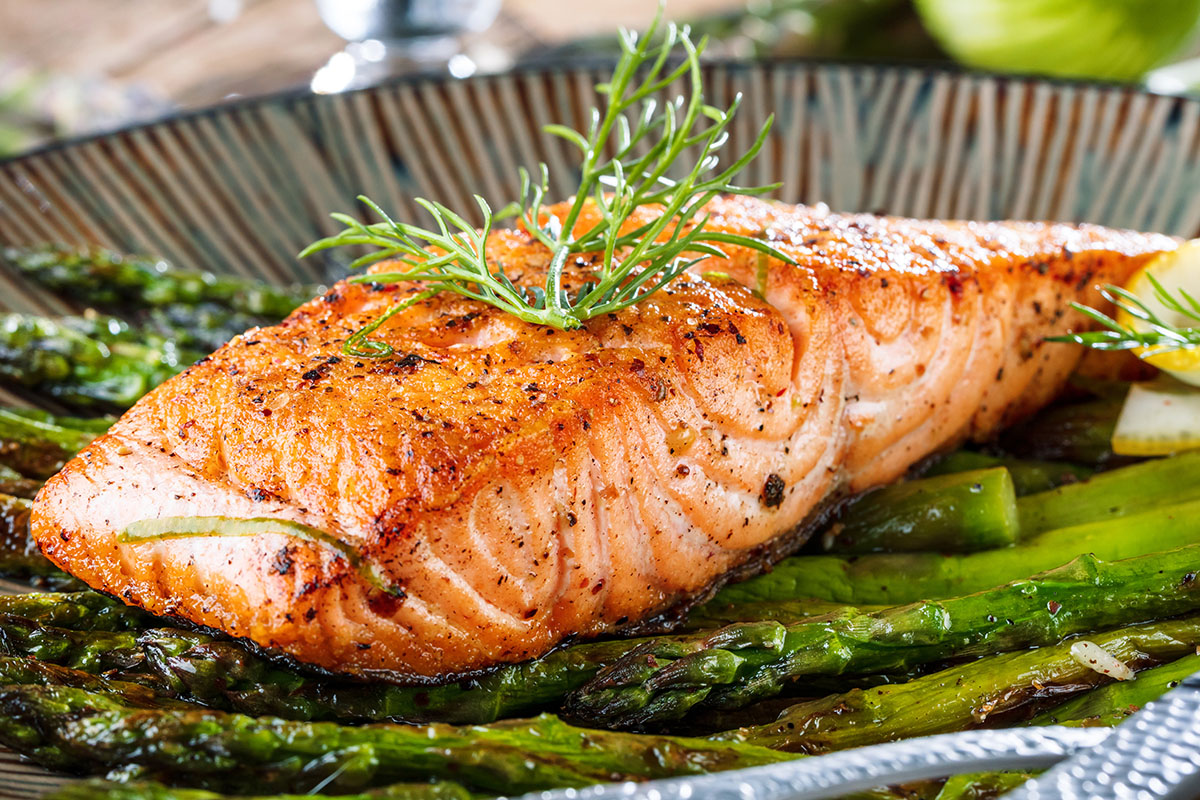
515,485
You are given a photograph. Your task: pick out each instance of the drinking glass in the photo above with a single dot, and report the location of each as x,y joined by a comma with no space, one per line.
388,37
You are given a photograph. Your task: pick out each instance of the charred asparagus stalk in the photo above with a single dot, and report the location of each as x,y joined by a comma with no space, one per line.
219,674
1113,494
896,578
90,731
110,371
92,425
63,727
225,675
713,615
30,672
83,611
107,279
662,679
732,668
1113,703
19,671
1028,476
981,785
957,513
1079,433
963,697
962,512
205,326
15,484
88,651
146,790
37,447
222,674
19,556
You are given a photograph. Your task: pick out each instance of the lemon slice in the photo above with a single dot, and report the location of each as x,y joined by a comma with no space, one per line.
1178,269
1159,417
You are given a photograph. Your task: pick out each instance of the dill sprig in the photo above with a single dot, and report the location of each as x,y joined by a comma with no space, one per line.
631,157
1156,336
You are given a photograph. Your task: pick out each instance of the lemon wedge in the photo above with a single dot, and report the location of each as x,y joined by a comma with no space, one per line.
1159,417
1176,270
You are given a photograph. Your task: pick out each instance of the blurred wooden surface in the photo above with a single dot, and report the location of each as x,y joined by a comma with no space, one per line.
176,51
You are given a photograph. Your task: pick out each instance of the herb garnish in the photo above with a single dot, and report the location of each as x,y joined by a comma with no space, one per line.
160,528
1159,337
635,263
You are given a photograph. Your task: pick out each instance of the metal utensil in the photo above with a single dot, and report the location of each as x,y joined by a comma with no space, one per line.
1154,755
843,773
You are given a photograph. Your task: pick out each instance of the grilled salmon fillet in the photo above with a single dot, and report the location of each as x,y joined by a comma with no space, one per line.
495,487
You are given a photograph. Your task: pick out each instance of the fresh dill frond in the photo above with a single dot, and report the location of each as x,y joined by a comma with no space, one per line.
632,156
1157,336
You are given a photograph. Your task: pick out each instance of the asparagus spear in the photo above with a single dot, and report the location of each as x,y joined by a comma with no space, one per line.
977,509
21,671
17,552
35,447
225,675
1113,703
957,513
15,484
1027,476
896,578
1079,433
962,697
204,326
92,425
102,277
220,674
19,555
981,785
88,651
84,611
27,671
1113,494
664,678
90,731
112,371
147,790
718,615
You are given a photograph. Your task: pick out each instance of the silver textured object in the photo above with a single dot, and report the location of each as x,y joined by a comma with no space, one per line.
839,774
1153,756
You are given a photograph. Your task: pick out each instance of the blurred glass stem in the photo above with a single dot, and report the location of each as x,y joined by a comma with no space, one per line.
391,37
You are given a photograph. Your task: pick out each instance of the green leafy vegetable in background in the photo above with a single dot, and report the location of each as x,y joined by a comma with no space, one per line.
1107,39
